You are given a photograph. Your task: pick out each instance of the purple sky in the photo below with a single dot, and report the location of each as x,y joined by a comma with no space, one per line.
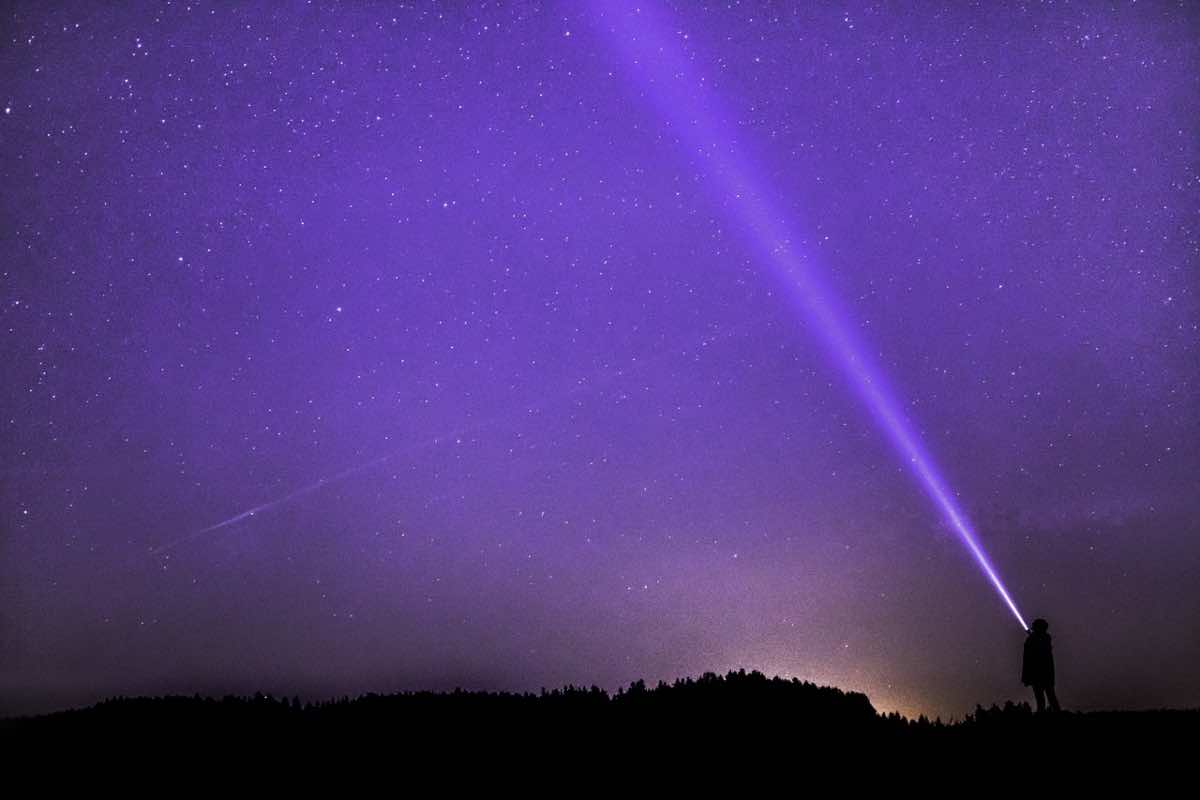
459,301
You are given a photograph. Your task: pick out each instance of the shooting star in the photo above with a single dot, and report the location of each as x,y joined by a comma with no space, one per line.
585,384
303,490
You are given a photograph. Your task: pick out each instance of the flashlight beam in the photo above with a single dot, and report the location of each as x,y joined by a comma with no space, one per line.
654,51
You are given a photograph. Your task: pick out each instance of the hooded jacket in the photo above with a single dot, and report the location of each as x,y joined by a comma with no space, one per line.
1037,668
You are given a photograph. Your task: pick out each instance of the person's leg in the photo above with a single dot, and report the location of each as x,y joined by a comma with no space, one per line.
1053,699
1040,696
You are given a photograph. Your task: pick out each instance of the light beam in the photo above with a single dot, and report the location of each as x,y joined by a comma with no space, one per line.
654,52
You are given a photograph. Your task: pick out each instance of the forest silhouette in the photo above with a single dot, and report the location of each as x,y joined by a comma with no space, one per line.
740,712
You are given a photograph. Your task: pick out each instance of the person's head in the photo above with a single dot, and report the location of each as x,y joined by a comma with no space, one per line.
1040,626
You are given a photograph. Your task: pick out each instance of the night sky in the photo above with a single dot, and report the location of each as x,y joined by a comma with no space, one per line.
389,346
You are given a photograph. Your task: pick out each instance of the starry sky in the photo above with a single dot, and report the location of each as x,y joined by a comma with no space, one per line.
376,346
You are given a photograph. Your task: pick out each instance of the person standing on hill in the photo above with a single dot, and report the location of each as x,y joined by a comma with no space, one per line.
1037,667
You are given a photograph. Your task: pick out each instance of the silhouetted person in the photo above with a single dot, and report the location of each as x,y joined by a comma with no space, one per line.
1037,668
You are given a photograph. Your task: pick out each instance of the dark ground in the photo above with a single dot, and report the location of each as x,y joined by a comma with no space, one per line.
742,716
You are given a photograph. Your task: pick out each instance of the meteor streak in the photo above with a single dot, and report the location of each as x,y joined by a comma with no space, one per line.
598,378
303,490
654,53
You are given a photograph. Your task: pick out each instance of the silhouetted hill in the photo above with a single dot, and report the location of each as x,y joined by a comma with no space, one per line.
740,713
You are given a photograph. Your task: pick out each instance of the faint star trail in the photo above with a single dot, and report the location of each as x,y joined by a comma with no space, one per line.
597,379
